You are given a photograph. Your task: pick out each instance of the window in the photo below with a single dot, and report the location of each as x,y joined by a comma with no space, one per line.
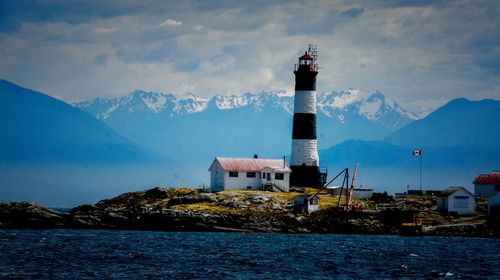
251,174
279,176
497,188
249,187
233,174
461,201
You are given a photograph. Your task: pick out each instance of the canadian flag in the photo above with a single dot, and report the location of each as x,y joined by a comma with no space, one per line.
417,152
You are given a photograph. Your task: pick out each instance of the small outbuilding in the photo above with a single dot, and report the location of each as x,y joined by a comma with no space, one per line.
249,174
456,201
362,193
487,185
306,204
336,190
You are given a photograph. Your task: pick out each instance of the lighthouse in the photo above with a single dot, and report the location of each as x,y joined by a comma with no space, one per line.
305,160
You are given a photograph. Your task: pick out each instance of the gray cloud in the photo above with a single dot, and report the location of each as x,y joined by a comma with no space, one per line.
101,59
426,51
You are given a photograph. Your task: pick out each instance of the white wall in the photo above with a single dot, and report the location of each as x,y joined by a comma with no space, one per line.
220,180
440,203
305,151
241,182
216,177
484,190
283,184
462,206
305,101
493,201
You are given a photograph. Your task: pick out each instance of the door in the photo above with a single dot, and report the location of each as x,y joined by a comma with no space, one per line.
268,177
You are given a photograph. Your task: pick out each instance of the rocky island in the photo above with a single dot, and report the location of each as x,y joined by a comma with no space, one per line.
170,209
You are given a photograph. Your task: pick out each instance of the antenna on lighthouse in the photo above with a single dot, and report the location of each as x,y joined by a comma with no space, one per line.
313,51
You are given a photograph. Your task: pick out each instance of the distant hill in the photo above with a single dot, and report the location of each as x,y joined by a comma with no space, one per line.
197,129
38,128
382,154
458,140
460,122
53,153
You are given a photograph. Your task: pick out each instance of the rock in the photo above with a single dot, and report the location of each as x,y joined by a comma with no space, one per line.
28,215
156,193
188,209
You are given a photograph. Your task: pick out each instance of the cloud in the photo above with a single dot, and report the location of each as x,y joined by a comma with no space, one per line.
104,30
354,12
411,52
217,64
171,22
101,59
423,107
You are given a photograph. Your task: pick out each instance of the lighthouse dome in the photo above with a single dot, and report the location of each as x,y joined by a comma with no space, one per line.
306,56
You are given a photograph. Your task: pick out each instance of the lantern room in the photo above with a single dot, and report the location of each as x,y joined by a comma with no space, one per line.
306,59
307,62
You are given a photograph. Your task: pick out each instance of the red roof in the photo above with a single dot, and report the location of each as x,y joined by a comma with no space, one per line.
306,56
251,164
487,179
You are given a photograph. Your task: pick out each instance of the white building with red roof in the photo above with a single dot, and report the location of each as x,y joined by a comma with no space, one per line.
487,185
249,174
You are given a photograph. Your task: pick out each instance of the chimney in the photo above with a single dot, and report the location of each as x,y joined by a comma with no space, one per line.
255,156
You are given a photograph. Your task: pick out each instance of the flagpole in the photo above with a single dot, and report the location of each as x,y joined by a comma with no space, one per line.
420,156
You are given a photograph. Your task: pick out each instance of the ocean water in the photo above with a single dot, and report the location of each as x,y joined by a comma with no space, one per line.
106,254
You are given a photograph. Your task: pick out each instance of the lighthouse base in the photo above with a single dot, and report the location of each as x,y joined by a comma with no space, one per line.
306,176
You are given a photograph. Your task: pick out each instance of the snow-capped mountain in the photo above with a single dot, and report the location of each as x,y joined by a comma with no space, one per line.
373,106
239,125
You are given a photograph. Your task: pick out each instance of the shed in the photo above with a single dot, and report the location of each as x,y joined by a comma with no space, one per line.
249,174
362,193
456,200
306,204
494,205
487,185
336,190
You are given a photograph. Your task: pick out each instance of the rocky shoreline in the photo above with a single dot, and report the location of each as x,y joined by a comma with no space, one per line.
241,211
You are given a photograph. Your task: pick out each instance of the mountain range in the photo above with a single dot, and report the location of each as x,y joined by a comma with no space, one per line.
39,128
243,125
53,153
61,154
460,122
458,140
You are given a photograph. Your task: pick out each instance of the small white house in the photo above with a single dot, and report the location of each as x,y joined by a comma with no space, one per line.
487,185
494,205
456,200
249,174
306,204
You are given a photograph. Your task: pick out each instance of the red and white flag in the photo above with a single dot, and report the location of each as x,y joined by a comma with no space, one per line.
417,152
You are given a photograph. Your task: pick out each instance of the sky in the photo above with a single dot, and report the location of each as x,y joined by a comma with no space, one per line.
420,53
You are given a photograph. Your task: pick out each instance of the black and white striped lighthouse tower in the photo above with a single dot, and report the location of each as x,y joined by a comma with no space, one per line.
305,160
